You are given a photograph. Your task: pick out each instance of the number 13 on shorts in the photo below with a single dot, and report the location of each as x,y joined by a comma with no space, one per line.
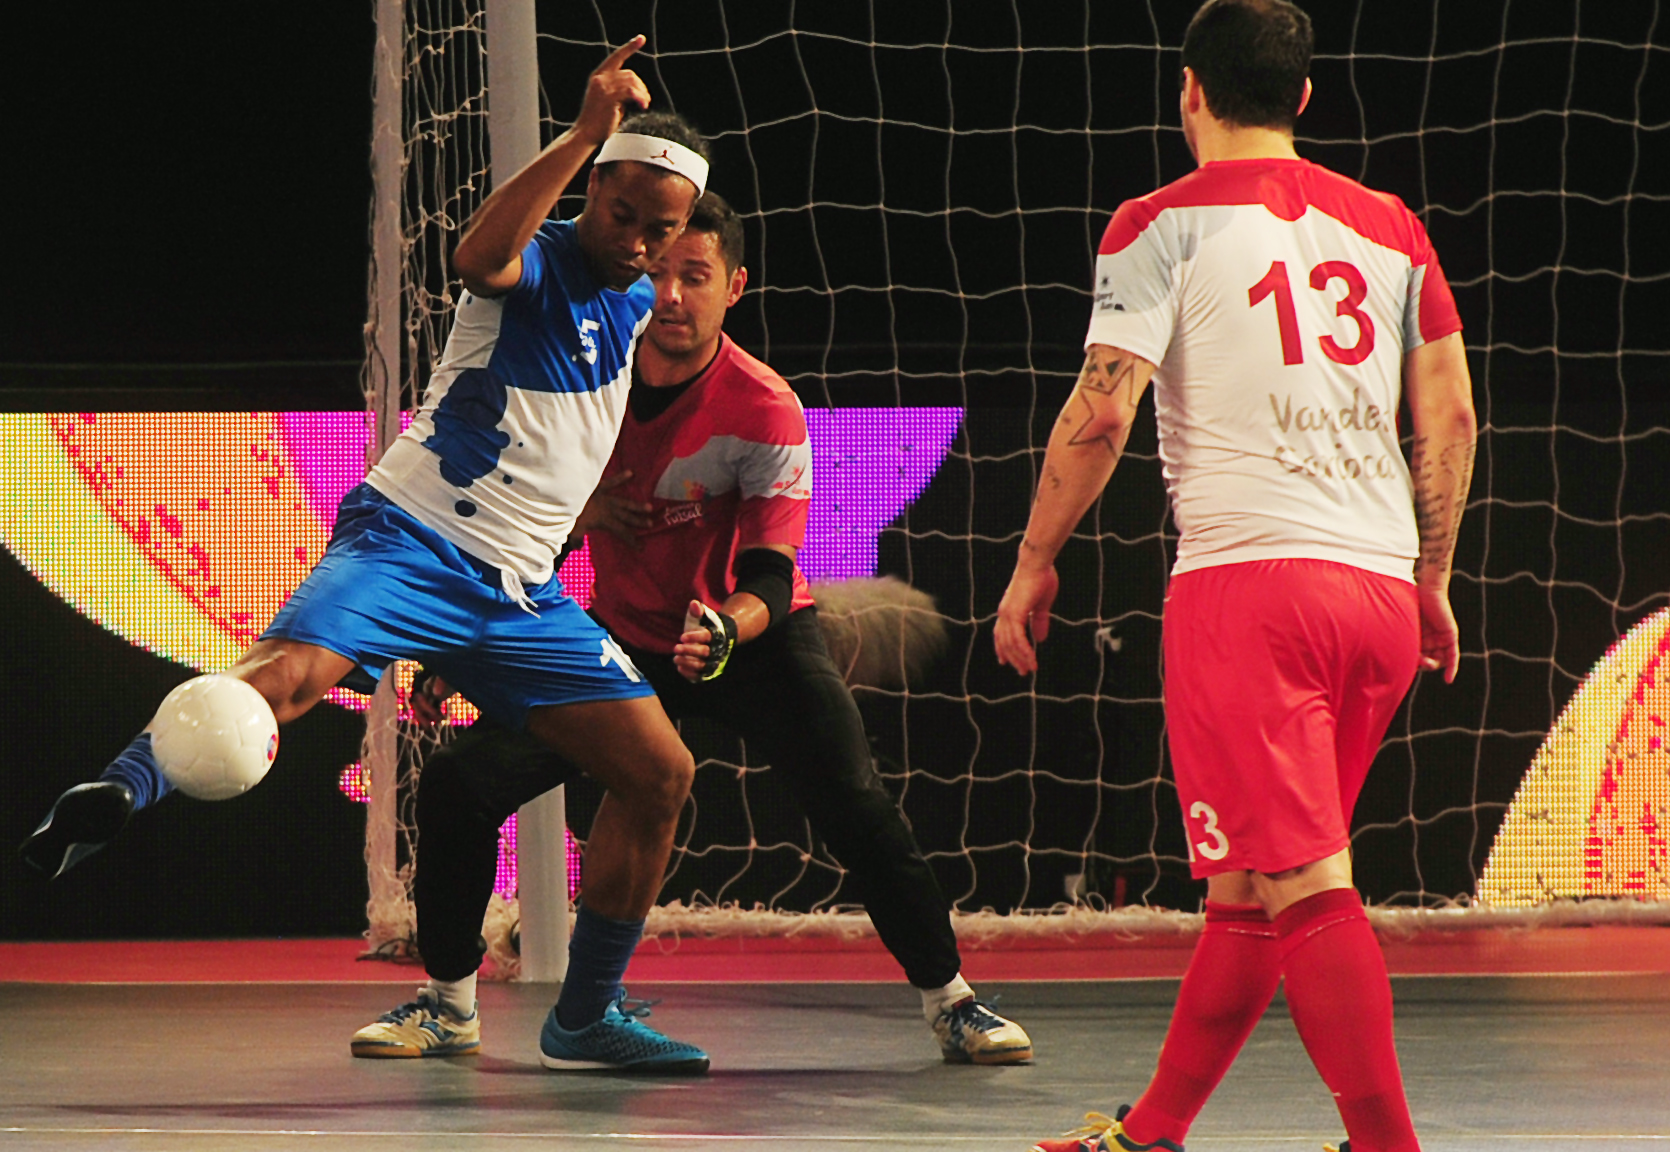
1202,822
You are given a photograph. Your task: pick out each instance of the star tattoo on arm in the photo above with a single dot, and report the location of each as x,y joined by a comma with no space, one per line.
1104,403
1098,415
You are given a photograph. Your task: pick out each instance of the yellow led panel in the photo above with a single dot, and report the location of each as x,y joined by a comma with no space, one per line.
1592,816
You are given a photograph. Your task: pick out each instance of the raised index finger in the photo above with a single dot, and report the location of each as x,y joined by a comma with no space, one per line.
619,55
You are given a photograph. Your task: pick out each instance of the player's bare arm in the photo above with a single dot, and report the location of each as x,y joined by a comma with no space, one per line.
1439,390
1085,446
489,256
750,613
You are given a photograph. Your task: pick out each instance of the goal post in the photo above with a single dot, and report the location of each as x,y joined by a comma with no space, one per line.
388,910
923,187
541,851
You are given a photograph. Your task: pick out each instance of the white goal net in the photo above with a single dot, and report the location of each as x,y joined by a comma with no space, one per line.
924,186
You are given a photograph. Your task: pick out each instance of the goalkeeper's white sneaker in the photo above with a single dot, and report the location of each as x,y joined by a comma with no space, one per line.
969,1032
423,1027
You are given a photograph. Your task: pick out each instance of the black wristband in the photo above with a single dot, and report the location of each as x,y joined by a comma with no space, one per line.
769,575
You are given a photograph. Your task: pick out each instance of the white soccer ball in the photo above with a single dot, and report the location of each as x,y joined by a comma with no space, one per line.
214,737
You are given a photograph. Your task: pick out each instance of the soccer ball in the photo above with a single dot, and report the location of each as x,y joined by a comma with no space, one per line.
214,737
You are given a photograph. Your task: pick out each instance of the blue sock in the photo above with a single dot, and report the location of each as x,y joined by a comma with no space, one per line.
598,954
137,768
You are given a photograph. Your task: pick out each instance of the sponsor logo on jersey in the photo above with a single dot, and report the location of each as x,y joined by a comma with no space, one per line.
681,513
1106,300
1337,466
1354,462
1326,418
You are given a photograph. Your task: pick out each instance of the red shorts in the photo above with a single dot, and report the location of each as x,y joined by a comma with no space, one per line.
1281,677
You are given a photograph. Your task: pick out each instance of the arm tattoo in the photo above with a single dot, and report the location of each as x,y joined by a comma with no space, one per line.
1103,398
1442,476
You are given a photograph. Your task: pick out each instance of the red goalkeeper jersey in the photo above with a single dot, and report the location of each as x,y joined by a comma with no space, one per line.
726,466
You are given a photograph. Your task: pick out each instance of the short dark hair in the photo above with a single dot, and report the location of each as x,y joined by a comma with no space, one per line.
714,215
666,126
1251,58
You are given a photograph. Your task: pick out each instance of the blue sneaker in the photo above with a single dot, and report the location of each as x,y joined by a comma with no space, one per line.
619,1042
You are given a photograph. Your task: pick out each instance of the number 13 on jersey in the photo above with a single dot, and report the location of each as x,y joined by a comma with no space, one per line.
1275,283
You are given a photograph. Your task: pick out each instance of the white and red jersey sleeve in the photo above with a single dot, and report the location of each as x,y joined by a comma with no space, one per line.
772,462
1277,301
727,466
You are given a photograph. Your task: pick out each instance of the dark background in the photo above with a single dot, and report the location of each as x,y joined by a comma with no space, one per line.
187,231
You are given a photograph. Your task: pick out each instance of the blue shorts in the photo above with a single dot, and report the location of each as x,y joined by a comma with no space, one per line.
389,588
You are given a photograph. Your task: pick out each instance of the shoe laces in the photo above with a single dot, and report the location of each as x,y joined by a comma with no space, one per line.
423,1004
633,1009
978,1014
1095,1124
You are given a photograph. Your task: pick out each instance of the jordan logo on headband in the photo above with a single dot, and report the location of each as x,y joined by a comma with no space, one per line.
668,154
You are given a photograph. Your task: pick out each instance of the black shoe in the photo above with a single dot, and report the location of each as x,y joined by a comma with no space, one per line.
84,819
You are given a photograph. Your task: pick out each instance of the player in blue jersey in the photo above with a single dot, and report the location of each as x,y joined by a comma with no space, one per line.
447,553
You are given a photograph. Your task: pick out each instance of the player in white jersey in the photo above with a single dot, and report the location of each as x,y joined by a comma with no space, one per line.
446,555
1281,312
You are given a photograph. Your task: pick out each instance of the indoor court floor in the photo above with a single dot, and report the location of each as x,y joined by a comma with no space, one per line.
1492,1063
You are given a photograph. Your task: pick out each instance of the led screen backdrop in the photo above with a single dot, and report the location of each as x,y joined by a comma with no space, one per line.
184,532
1589,816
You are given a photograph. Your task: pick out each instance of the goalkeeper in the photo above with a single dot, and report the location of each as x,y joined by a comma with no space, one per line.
700,511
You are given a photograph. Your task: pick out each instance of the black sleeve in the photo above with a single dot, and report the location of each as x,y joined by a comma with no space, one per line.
768,574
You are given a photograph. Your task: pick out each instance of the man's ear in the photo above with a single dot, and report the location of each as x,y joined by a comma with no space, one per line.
739,281
1304,101
1193,96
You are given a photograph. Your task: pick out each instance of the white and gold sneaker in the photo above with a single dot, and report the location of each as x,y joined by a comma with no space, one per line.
424,1027
969,1032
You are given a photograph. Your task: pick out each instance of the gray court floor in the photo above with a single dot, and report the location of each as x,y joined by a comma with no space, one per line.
1492,1064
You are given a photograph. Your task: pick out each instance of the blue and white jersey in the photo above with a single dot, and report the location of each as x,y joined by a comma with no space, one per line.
522,413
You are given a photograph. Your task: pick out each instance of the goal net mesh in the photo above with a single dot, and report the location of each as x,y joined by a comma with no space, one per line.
924,187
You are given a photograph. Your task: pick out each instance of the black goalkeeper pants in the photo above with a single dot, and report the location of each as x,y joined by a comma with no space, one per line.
784,696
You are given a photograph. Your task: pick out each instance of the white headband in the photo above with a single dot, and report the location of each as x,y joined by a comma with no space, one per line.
666,154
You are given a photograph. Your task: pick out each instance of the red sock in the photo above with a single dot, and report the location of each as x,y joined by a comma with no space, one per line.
1341,1003
1231,979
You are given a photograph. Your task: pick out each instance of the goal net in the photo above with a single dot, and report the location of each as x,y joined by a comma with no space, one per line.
924,187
